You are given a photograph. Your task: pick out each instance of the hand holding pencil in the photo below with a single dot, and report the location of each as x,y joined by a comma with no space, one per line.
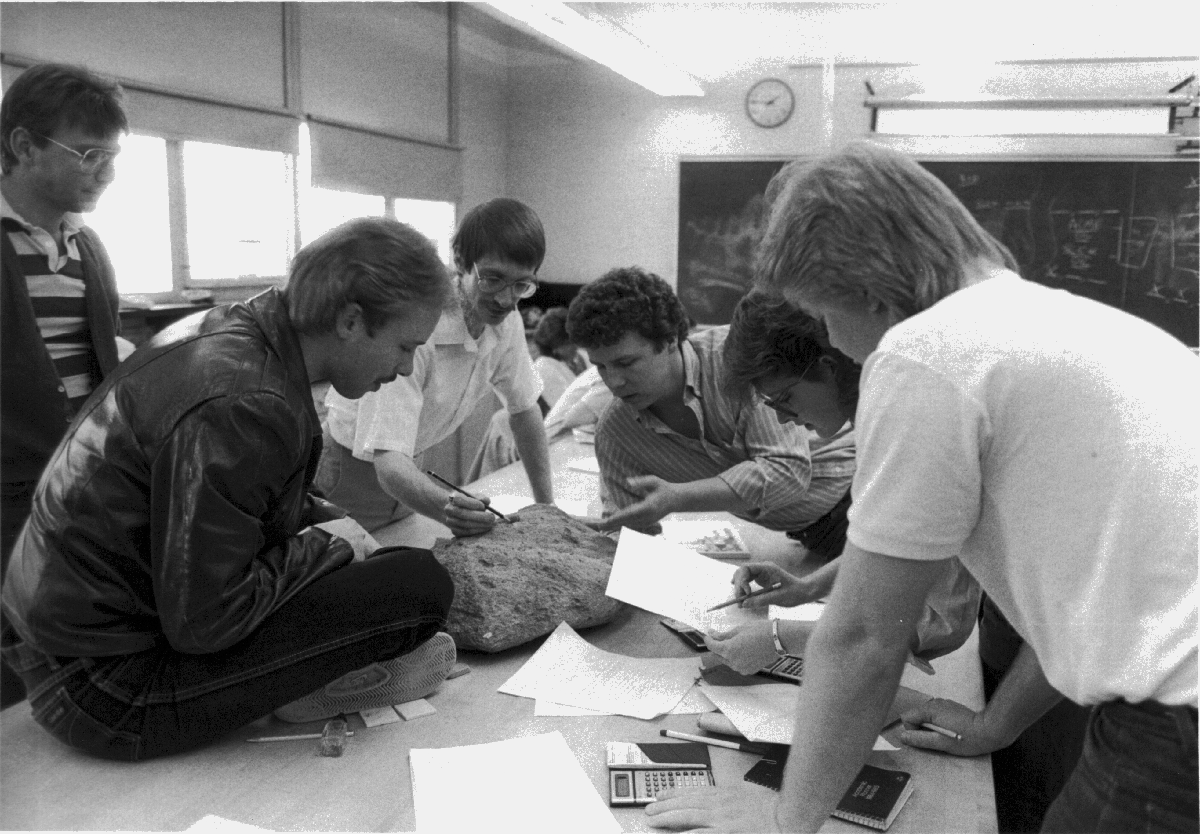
467,514
948,726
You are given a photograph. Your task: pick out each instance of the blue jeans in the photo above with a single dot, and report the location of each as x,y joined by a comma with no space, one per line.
161,701
1137,773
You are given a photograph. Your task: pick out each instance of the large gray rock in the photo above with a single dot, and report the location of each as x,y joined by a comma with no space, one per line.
521,580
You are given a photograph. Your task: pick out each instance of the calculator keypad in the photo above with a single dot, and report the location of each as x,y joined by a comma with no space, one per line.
648,784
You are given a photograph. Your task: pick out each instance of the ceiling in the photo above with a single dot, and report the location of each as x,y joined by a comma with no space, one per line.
714,40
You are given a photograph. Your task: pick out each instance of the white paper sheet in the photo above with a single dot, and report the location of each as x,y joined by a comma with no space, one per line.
569,670
764,713
693,703
672,581
585,464
470,788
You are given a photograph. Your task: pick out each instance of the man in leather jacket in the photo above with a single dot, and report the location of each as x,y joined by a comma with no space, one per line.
171,584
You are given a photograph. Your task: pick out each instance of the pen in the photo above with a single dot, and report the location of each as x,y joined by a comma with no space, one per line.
759,592
444,482
715,742
942,730
300,737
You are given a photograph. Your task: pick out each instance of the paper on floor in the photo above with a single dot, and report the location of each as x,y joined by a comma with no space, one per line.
672,581
693,703
569,670
563,798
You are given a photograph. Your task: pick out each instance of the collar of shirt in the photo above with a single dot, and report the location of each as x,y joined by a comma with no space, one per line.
452,330
71,222
693,397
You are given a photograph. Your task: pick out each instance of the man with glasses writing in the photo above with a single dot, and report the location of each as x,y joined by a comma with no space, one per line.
60,129
371,465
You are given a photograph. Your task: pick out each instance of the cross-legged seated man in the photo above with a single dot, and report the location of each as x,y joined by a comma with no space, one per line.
675,439
171,584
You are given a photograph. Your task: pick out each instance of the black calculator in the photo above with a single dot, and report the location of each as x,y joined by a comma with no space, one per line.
787,668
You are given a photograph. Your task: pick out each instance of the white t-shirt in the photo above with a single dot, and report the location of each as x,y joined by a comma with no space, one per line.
555,377
451,373
1051,442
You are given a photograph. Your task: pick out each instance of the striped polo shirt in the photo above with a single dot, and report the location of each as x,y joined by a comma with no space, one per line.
787,476
54,277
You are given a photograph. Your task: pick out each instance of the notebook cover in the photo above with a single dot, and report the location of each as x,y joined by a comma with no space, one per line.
685,754
874,797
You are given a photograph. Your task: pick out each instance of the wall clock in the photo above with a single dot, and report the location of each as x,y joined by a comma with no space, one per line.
770,102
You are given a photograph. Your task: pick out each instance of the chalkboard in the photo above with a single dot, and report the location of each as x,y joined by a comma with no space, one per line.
1121,232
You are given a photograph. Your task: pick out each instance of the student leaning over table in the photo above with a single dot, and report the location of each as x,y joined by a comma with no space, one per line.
675,438
1050,441
373,445
782,355
171,584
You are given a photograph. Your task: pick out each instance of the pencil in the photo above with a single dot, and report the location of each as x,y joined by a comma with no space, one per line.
715,742
757,593
299,737
942,730
444,482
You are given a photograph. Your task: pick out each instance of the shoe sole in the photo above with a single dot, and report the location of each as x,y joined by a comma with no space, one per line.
395,681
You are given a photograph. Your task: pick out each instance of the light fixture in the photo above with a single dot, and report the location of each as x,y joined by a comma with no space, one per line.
599,40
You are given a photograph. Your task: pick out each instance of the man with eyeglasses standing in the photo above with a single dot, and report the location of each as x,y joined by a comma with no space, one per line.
371,464
60,129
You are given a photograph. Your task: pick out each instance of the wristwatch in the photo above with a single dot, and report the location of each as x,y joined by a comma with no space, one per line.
775,637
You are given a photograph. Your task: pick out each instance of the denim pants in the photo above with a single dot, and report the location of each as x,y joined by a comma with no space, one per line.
162,701
1137,772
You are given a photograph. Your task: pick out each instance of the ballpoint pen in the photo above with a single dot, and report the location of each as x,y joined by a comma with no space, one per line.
759,592
487,507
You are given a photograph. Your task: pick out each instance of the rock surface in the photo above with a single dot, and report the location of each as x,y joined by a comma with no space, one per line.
519,581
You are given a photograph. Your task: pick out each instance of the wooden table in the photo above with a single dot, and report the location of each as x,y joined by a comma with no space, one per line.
285,786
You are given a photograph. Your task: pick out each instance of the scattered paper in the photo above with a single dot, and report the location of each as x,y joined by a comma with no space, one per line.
719,539
569,670
415,709
585,464
565,798
669,580
220,825
379,716
693,703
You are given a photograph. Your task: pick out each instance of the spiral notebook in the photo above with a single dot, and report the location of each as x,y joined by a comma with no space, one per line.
873,799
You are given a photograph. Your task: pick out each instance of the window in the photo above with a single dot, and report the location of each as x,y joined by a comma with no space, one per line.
239,213
133,219
323,208
432,218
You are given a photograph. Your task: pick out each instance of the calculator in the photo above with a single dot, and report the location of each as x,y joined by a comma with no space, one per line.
788,668
642,786
639,772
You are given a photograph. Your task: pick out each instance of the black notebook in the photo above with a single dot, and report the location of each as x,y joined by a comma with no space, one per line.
873,799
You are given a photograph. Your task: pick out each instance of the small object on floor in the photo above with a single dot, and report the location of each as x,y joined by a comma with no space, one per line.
458,671
395,681
379,716
296,737
415,709
333,739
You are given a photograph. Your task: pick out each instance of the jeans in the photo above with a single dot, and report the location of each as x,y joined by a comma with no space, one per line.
162,701
1137,772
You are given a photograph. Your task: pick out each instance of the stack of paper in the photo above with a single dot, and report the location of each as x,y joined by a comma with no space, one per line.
568,670
474,788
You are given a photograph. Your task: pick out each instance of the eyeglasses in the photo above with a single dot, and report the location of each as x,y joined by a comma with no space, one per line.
90,161
492,285
772,401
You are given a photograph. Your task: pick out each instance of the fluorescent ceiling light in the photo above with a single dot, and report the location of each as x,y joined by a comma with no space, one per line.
602,42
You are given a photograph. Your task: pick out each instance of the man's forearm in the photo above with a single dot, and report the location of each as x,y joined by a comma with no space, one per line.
1023,696
849,684
530,436
709,494
401,478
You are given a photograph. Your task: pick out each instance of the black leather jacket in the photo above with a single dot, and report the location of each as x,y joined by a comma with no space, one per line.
176,508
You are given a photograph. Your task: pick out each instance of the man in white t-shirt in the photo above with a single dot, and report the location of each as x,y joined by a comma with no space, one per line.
1048,440
373,445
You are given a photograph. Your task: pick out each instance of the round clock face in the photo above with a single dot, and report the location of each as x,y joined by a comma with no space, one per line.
770,102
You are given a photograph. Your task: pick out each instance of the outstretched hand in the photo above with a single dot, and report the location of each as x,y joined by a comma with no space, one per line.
657,500
741,808
953,716
746,648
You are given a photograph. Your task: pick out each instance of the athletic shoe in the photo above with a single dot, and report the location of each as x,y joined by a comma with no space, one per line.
404,678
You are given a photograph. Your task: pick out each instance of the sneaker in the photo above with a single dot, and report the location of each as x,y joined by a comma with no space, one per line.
404,678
